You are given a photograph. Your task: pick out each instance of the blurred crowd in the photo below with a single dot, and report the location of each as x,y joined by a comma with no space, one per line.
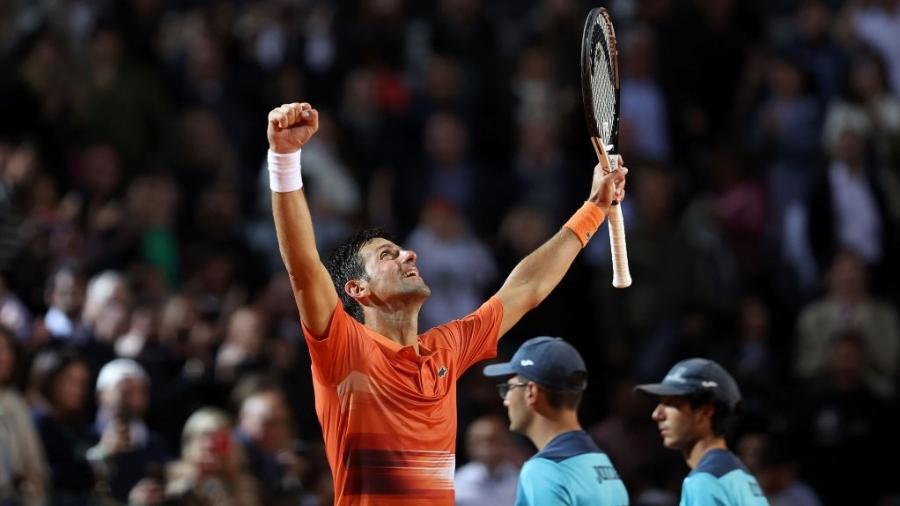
150,350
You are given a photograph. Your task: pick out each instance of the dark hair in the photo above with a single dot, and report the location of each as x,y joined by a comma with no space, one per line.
345,264
568,399
48,366
563,399
724,416
251,385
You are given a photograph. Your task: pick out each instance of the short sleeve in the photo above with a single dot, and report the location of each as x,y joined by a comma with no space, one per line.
340,348
703,490
540,483
472,338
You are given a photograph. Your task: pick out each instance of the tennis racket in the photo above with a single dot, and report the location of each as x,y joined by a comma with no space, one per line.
600,93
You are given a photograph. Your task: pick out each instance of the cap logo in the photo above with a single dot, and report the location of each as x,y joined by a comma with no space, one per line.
526,362
676,376
709,384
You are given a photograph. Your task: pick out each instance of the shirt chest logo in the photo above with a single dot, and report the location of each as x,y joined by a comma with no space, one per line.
442,372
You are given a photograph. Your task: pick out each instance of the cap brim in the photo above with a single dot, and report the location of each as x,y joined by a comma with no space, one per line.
504,369
663,389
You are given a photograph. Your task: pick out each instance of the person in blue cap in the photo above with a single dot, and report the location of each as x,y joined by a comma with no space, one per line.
698,401
546,379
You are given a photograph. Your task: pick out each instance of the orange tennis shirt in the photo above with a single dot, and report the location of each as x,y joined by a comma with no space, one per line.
388,415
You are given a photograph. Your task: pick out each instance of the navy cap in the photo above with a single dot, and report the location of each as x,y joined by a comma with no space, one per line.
548,361
696,375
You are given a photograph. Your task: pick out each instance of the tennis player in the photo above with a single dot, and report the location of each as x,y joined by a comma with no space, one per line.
385,395
698,400
546,379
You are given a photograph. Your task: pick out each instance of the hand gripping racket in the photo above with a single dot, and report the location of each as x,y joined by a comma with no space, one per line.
600,93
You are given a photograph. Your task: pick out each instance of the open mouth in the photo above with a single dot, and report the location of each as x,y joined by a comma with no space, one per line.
411,274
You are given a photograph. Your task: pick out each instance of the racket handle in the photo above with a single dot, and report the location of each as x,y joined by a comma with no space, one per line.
621,273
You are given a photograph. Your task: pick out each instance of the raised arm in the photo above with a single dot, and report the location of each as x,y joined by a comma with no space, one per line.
532,280
290,127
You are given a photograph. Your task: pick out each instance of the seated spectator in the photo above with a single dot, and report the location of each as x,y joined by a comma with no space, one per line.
490,478
23,468
211,471
264,432
458,265
65,298
126,447
849,306
64,386
848,204
779,477
840,419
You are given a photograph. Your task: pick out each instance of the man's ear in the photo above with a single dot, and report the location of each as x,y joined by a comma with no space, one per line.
532,393
706,411
357,288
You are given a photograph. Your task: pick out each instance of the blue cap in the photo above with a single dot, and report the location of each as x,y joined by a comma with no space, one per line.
548,361
696,375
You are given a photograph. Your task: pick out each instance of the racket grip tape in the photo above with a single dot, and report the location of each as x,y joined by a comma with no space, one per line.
621,273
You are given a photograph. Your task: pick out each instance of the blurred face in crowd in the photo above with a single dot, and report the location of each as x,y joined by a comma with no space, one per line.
847,277
679,424
206,443
487,441
112,322
129,398
654,196
785,79
67,294
70,389
265,419
391,274
847,363
866,78
446,139
246,329
516,402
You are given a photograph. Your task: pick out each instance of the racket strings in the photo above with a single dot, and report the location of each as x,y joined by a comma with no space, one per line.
603,92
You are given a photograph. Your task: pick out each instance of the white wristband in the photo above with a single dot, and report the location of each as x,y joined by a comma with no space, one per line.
284,171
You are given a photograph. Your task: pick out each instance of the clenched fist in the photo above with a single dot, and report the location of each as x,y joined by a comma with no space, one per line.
291,126
608,187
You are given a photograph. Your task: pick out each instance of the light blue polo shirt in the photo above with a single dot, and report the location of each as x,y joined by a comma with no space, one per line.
721,479
571,471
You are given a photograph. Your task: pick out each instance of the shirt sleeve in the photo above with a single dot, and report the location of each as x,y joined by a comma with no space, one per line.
339,349
703,490
474,337
540,484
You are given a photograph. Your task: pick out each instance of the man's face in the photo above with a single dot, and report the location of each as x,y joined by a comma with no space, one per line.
516,403
266,420
392,273
486,441
129,398
68,293
679,424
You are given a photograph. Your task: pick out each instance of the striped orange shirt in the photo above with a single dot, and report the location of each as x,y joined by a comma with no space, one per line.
388,415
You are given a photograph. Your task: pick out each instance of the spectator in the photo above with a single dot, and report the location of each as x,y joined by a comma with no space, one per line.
126,447
849,306
459,267
64,385
777,469
264,432
212,471
849,207
65,298
842,419
489,478
23,467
